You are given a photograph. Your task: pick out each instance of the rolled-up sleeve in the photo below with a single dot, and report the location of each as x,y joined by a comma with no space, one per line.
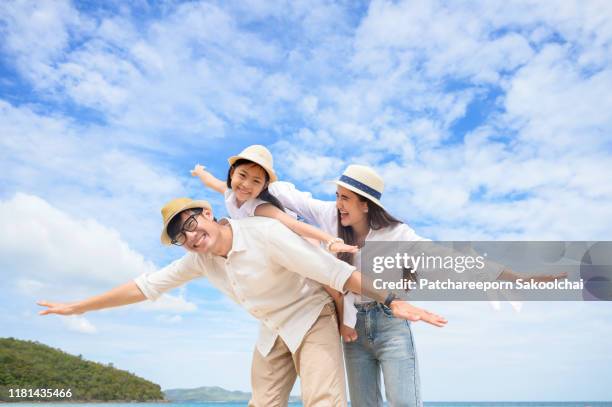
177,273
293,253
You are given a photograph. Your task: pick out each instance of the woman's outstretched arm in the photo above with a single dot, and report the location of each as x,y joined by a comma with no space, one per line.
304,229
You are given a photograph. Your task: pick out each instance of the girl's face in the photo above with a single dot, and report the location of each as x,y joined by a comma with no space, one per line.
248,180
352,209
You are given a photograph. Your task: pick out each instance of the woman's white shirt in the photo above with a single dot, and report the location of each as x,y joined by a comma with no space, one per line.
324,215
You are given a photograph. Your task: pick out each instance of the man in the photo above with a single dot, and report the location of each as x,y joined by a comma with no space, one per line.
269,270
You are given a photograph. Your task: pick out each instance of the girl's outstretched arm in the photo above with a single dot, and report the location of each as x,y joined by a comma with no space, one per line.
304,229
208,179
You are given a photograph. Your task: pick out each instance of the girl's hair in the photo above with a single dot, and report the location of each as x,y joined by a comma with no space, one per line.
264,195
378,218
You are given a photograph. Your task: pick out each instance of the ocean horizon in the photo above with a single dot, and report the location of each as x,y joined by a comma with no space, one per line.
298,404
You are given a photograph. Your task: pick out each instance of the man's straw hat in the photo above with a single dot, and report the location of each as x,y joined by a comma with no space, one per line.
174,207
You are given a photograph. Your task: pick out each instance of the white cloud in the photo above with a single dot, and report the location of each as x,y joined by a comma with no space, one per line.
170,319
69,246
56,254
171,303
87,168
522,173
30,287
37,33
192,73
79,324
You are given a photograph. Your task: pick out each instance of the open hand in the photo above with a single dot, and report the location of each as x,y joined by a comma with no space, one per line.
199,171
57,308
404,310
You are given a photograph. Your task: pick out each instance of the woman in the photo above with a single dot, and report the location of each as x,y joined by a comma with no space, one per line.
383,342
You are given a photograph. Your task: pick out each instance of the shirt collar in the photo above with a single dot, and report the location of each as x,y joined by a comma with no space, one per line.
238,243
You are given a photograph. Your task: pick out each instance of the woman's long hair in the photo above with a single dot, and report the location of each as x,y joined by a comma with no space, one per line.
378,218
264,195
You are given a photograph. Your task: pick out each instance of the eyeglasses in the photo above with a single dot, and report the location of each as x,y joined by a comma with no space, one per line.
188,226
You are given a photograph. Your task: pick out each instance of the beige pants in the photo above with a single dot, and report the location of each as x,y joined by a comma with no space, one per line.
318,362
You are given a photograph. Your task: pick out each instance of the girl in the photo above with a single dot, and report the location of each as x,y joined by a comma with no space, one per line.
246,194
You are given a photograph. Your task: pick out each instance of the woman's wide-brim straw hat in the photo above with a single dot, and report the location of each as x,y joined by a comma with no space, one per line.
173,208
363,181
259,155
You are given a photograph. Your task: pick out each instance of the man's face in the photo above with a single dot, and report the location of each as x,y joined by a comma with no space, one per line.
206,234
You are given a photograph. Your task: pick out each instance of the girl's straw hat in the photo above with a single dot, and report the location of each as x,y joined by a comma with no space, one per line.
174,207
363,181
259,155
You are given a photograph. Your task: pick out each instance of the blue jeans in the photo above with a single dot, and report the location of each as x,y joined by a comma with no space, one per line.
386,343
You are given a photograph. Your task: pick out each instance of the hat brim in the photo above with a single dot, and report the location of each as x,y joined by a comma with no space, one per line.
358,192
165,239
268,169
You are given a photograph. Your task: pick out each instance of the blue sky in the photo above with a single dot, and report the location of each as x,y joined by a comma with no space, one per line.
488,120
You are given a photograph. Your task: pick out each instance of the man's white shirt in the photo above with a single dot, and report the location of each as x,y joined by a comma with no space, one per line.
266,272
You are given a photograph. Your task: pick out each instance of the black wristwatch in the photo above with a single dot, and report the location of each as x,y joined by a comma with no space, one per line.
389,300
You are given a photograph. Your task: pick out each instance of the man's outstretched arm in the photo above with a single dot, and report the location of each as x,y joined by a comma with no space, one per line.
125,294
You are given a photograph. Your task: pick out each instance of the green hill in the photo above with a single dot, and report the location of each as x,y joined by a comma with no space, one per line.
210,394
32,365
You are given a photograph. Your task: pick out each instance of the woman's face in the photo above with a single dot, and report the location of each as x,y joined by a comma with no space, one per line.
352,209
248,180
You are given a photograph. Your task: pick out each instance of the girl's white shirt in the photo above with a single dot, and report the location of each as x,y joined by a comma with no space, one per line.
324,215
243,211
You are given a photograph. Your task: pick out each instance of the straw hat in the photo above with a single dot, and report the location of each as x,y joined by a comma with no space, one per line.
259,155
363,181
174,207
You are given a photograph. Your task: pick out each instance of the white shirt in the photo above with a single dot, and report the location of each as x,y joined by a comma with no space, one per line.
324,214
247,208
243,211
267,272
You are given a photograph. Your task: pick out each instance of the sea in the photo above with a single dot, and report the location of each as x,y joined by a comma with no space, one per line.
427,404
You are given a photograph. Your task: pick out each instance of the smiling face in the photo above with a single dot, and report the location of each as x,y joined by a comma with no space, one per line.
247,181
353,211
202,238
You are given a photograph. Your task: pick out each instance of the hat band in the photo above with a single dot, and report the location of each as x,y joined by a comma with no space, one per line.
360,186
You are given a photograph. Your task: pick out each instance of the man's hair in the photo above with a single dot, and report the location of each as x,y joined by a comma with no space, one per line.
175,225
